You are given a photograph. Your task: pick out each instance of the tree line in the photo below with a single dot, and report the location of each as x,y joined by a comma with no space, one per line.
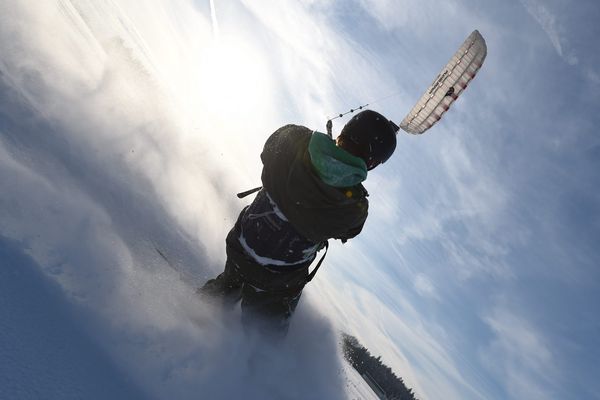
362,361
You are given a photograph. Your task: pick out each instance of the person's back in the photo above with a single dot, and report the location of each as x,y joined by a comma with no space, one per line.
316,184
311,192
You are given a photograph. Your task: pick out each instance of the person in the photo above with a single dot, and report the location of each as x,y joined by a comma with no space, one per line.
311,192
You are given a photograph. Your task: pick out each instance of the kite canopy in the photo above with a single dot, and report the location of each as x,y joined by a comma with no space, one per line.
447,86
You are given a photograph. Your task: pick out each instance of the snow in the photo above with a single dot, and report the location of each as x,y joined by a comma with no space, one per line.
51,349
94,173
356,387
45,352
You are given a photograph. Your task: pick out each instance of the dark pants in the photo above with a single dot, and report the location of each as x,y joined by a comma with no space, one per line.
269,293
269,310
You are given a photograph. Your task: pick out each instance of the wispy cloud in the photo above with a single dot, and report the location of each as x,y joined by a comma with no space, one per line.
392,15
213,18
520,354
417,349
425,287
555,31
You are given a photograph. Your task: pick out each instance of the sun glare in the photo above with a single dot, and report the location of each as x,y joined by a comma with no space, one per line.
234,82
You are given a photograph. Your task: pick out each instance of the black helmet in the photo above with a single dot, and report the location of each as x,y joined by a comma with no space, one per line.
370,136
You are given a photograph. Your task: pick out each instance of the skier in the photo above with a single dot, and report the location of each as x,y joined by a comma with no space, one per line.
311,192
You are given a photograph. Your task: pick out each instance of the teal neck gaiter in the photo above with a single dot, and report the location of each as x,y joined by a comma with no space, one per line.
334,165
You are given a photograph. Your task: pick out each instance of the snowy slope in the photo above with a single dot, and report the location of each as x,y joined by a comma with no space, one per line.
45,351
94,172
86,300
51,354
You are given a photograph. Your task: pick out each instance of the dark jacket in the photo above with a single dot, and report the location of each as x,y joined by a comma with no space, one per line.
317,211
291,217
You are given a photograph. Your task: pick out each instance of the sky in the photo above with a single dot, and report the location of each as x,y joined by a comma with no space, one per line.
131,124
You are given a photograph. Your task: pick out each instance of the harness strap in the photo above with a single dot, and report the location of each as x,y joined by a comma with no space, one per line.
314,271
257,216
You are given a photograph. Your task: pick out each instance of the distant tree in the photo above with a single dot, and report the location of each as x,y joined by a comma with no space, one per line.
361,359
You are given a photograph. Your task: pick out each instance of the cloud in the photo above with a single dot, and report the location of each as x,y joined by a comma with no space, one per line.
553,29
520,354
393,15
425,287
417,349
592,75
322,67
213,18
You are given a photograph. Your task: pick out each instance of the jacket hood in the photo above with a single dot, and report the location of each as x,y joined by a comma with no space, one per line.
317,210
334,165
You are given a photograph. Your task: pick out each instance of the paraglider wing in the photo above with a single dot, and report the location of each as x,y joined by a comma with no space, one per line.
447,86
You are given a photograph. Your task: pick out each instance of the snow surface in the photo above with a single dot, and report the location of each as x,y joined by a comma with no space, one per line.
49,353
356,387
94,173
46,352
